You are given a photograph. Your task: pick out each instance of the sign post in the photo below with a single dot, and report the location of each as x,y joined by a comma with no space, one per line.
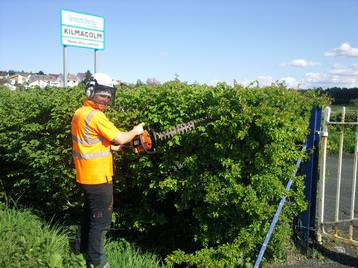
95,61
81,30
64,66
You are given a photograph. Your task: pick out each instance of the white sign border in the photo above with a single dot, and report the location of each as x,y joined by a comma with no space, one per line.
84,13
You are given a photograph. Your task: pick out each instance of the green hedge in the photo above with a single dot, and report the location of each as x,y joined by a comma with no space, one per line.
36,148
349,131
207,197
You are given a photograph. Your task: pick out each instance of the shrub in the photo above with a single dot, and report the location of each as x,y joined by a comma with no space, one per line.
35,149
205,199
215,189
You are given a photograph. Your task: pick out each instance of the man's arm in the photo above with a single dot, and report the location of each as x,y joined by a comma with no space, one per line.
126,136
117,148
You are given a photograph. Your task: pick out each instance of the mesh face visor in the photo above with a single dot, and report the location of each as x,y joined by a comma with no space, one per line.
106,91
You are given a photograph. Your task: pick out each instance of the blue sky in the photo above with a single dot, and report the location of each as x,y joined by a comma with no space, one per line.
307,43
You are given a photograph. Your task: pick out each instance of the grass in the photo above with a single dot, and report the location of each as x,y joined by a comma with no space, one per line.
122,254
25,241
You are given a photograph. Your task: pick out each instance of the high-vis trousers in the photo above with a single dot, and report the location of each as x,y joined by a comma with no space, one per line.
96,221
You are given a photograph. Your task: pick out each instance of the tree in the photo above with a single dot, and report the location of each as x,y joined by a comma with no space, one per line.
139,83
88,75
153,81
40,73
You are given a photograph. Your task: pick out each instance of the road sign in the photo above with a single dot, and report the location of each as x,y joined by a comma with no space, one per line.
82,30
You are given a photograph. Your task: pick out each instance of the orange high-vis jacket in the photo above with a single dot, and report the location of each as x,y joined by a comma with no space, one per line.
92,133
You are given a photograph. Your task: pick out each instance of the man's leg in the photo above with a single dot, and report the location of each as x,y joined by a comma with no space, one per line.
100,202
81,241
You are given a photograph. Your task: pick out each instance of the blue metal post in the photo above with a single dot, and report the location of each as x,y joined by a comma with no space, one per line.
309,169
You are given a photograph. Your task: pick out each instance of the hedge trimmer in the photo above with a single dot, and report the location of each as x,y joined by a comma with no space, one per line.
148,141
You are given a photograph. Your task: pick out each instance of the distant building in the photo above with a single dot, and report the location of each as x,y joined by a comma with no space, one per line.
18,79
11,87
26,80
81,76
117,82
41,81
72,80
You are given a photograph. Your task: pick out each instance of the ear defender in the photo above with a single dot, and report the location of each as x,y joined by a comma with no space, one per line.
90,88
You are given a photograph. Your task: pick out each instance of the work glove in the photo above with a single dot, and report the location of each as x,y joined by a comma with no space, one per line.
138,129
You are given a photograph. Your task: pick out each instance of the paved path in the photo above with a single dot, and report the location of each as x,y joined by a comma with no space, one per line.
338,250
334,254
346,188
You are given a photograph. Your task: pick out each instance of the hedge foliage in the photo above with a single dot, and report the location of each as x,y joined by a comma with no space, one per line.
206,199
349,131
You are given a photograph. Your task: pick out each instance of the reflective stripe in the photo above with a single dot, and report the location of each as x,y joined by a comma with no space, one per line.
91,156
87,124
87,140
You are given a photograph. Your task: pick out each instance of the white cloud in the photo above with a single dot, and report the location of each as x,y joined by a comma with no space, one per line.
338,76
245,83
301,63
345,49
213,82
291,82
339,69
315,78
265,80
260,81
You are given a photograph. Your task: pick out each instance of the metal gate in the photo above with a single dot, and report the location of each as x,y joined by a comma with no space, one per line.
337,200
341,227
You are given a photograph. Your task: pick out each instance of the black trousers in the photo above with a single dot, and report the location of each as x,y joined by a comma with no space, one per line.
95,221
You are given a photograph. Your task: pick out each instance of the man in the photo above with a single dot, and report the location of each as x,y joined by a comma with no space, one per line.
93,138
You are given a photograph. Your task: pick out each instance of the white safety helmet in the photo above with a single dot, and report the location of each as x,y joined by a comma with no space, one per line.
100,84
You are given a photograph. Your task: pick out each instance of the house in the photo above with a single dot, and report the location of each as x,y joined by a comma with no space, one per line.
42,81
3,75
81,76
72,80
57,80
9,86
18,79
52,80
